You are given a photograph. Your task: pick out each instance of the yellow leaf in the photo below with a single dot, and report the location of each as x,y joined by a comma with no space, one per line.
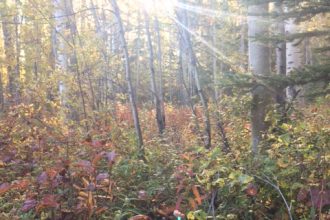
83,194
281,163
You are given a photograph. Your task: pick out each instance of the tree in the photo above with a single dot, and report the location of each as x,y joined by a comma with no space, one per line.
280,51
193,69
10,30
294,53
160,117
130,91
259,63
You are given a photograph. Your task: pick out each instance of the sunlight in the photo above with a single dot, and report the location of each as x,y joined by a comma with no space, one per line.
158,6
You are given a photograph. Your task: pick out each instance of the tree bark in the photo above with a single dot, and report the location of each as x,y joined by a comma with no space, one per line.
259,63
154,90
128,78
294,53
280,58
160,72
192,67
12,50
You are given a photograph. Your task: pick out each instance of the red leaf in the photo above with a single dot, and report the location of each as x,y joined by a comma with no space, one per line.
4,187
251,190
21,184
48,201
28,205
97,144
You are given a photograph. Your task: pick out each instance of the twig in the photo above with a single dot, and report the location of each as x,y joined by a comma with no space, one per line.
267,180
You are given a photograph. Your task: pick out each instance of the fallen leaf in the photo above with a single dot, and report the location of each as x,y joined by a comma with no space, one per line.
111,156
197,195
140,217
42,178
4,187
102,176
28,205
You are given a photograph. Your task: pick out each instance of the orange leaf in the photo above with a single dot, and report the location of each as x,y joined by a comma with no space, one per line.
197,195
192,204
21,184
97,158
90,200
83,194
140,217
51,173
4,187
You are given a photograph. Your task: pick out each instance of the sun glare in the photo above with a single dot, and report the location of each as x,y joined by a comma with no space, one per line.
158,6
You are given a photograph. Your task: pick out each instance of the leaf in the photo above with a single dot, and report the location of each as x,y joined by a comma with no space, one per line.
97,144
20,184
90,201
282,164
196,194
245,179
192,204
51,173
83,194
4,187
251,190
200,215
42,178
48,201
220,182
85,165
140,217
111,156
28,205
102,176
191,216
97,158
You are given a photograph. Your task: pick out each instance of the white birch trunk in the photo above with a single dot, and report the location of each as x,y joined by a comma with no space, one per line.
294,54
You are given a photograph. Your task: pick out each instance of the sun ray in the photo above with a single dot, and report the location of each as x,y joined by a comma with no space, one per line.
217,52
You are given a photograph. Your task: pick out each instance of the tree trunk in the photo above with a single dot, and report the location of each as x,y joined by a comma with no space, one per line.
259,63
2,100
192,67
12,50
218,119
128,78
160,72
294,54
280,58
154,90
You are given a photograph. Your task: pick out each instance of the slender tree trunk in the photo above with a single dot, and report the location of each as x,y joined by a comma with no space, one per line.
195,74
160,72
128,77
219,122
280,58
75,63
154,90
10,37
259,62
2,100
